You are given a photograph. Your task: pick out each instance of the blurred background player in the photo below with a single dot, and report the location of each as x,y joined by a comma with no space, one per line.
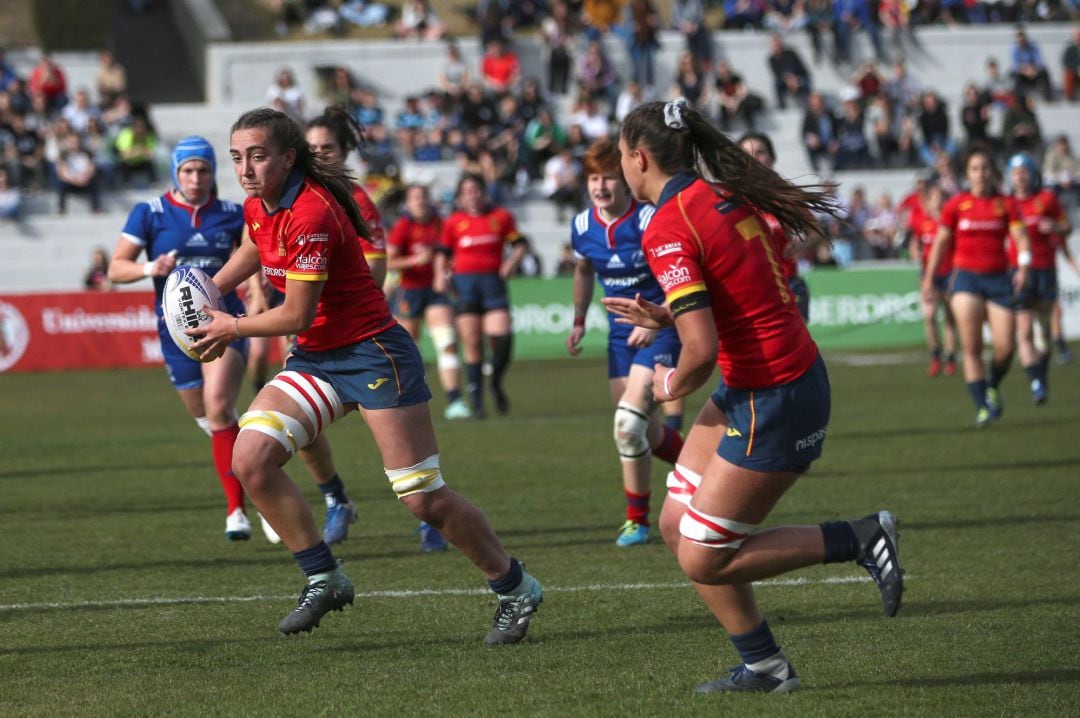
189,225
471,254
607,244
350,353
711,250
976,225
1046,223
924,218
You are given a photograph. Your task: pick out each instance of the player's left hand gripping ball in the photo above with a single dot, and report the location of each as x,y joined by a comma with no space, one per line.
188,292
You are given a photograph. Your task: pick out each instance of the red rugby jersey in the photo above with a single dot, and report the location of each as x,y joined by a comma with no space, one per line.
309,238
374,248
926,231
700,240
476,242
411,237
1043,204
980,227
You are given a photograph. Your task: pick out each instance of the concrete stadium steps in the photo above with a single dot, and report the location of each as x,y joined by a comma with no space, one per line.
53,253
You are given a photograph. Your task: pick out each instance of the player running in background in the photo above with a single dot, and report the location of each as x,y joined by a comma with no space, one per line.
709,247
1046,223
189,225
350,354
924,225
471,254
607,246
410,250
976,225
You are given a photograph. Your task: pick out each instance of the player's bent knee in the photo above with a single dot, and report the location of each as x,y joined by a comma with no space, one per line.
702,565
631,432
424,477
282,428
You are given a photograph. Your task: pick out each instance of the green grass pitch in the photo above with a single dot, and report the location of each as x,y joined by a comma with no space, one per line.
119,594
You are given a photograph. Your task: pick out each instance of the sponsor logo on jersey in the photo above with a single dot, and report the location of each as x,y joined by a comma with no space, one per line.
273,271
377,383
311,263
615,262
197,240
977,225
477,240
222,240
638,259
630,281
281,246
255,226
664,249
312,238
674,274
811,440
733,432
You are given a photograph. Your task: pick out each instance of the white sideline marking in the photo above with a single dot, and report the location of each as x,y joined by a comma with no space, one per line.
180,600
887,359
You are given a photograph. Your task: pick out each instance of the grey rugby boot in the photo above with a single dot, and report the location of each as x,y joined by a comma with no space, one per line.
879,554
324,593
514,613
741,678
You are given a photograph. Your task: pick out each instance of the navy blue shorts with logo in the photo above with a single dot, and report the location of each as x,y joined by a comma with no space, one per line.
996,287
777,429
1041,288
479,293
382,372
412,303
621,356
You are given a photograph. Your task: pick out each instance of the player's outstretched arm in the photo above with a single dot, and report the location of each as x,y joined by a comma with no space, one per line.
639,311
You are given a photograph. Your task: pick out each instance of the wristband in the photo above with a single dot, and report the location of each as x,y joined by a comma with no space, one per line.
579,321
667,382
236,326
1023,259
148,269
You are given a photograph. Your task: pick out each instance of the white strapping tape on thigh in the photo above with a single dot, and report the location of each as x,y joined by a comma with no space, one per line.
424,477
317,398
682,483
713,531
288,432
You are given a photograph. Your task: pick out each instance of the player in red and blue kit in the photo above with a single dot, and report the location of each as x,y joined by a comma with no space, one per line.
1046,222
350,353
976,225
709,247
607,247
189,225
924,226
471,253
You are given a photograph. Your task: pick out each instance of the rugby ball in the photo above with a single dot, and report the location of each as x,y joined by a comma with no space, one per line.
188,291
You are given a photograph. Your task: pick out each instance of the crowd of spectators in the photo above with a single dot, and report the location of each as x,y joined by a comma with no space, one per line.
77,141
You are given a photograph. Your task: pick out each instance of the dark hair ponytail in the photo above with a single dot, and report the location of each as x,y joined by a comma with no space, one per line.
680,139
346,129
285,134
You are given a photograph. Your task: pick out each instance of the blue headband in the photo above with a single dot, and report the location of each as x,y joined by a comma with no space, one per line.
192,148
1023,159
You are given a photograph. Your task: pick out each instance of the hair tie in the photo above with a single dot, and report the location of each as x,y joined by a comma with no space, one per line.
673,114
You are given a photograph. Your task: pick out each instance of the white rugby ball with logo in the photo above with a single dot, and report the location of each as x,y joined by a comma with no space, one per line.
188,291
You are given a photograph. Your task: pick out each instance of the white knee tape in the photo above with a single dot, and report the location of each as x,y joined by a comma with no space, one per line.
422,478
713,531
204,424
445,354
682,483
288,432
631,431
316,398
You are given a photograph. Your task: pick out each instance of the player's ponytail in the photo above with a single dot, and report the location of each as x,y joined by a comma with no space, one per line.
346,129
681,139
285,134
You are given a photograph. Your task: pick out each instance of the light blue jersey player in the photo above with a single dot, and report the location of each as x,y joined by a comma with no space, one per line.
607,247
189,225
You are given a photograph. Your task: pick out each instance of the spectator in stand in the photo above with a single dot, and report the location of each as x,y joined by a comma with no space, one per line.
97,274
1061,170
119,115
477,109
631,96
688,17
429,147
596,75
1020,128
577,141
379,154
556,33
600,15
102,148
943,175
819,23
80,112
48,79
850,16
285,95
408,125
734,97
419,22
499,68
881,228
819,131
29,160
975,114
18,96
790,76
136,149
903,89
997,88
588,117
567,262
340,89
785,17
562,183
883,131
368,110
868,81
895,19
7,72
643,41
853,228
10,197
934,125
495,19
543,139
1070,68
453,77
531,99
743,14
1028,68
111,81
690,82
76,173
852,147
